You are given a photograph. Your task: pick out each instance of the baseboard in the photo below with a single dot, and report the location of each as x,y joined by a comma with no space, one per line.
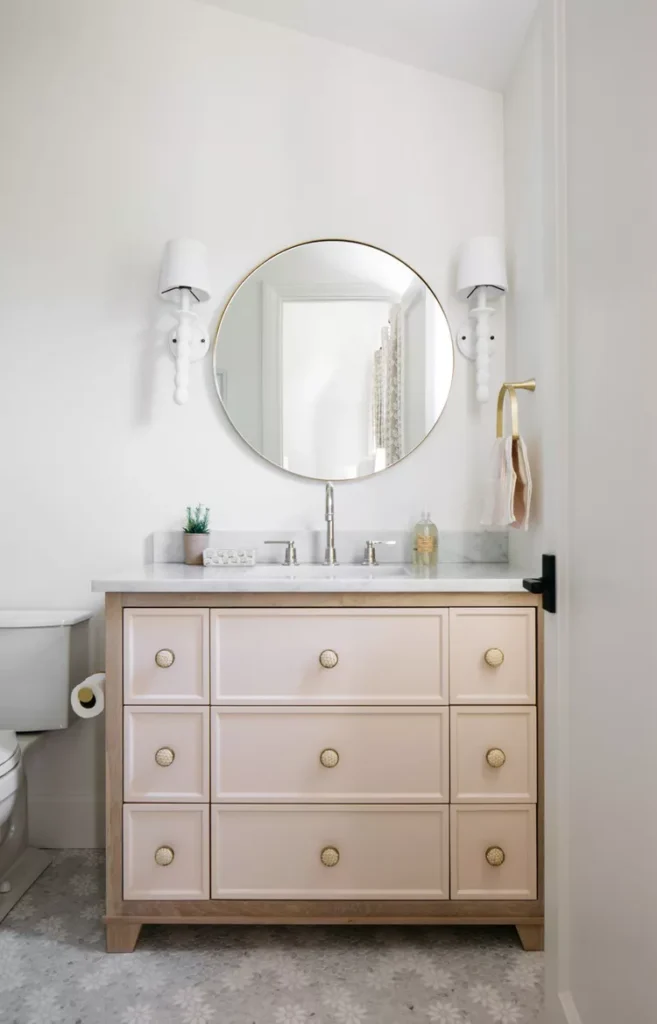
570,1012
560,1010
70,823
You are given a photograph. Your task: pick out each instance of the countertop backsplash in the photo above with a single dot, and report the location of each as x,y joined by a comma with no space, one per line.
453,546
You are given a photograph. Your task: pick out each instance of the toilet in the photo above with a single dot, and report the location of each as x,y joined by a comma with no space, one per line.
43,655
10,768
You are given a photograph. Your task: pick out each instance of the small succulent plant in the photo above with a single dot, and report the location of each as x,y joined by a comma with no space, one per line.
197,519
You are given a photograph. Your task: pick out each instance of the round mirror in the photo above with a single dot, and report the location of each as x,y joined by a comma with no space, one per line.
333,359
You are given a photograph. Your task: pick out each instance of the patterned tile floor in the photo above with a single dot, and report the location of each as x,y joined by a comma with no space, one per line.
54,970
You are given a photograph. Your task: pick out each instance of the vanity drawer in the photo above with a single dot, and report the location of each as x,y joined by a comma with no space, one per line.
493,852
166,754
368,656
492,655
289,754
166,655
166,852
332,852
493,754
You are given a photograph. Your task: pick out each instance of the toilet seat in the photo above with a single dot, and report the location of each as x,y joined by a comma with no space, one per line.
10,752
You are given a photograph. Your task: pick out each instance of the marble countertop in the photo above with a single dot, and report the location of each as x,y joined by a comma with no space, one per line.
170,577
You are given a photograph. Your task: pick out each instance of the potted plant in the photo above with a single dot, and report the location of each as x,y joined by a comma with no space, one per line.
196,534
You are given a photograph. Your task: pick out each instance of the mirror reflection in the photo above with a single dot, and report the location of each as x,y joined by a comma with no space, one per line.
333,360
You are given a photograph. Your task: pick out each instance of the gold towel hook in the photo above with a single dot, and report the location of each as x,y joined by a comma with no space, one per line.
510,388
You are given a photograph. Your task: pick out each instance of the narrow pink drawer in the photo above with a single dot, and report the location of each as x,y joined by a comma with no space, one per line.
493,754
166,852
166,754
332,852
493,852
329,656
166,655
492,656
330,754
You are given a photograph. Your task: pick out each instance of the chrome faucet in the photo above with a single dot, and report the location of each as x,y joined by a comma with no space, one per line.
330,557
290,557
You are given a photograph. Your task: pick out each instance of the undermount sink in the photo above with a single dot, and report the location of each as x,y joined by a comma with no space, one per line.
341,572
318,572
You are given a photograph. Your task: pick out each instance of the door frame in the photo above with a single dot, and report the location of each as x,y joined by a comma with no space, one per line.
273,298
559,1004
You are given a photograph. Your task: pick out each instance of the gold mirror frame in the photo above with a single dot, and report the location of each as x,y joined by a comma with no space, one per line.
233,294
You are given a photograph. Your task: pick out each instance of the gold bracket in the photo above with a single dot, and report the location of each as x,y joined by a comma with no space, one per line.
510,388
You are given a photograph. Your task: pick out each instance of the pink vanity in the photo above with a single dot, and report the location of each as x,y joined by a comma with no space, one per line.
355,757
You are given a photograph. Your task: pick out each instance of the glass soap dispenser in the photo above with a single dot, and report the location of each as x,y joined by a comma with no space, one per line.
425,543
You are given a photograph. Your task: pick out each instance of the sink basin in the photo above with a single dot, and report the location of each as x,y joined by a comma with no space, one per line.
316,572
345,572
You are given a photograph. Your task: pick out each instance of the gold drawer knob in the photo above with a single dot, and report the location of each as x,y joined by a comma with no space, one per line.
329,758
163,856
165,658
330,856
494,657
495,856
495,757
164,757
328,659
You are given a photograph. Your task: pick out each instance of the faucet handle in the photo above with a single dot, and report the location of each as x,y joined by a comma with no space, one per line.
290,551
370,550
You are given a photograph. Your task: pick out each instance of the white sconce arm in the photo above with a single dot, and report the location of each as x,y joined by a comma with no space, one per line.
483,345
187,343
479,347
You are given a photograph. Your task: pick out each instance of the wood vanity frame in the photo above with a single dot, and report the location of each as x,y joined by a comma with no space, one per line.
124,918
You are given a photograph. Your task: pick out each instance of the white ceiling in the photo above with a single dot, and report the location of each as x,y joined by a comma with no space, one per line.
474,40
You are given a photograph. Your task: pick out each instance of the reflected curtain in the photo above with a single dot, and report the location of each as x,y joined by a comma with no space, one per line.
392,364
377,394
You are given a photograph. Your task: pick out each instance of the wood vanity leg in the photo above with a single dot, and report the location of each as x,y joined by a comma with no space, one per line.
531,937
121,936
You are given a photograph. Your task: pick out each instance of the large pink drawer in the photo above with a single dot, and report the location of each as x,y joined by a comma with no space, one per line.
330,852
330,754
166,655
329,656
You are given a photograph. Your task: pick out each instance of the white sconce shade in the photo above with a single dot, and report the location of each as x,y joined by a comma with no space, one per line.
184,276
482,274
184,265
481,264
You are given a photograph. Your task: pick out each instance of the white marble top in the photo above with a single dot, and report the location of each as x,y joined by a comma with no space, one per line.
163,577
40,618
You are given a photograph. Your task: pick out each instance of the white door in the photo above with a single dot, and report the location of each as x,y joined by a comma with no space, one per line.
601,514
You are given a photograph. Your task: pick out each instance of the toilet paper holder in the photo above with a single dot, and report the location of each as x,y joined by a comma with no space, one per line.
88,697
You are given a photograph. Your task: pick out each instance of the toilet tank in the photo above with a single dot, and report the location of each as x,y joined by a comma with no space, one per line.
43,655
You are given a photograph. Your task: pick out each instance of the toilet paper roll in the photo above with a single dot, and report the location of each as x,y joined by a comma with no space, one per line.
88,697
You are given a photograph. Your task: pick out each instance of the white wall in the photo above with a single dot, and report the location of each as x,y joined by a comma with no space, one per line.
128,122
527,334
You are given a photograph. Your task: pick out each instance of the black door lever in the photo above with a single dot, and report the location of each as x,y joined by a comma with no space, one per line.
545,584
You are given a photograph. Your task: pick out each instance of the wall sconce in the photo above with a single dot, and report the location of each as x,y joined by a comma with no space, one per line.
184,280
481,281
